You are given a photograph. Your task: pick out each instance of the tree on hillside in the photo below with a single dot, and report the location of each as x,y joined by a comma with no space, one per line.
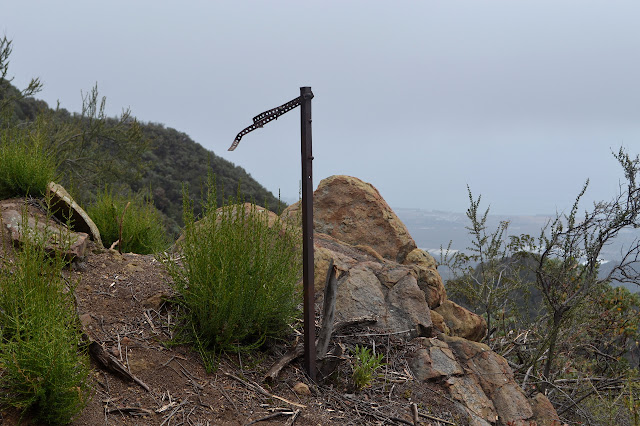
9,95
486,278
88,149
572,350
568,255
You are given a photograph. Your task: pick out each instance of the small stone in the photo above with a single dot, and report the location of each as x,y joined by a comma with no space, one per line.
134,267
155,301
85,320
301,389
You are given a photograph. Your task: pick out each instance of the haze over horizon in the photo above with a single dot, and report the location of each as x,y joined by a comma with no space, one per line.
522,101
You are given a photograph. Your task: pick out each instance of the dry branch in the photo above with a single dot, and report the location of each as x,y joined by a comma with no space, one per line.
328,311
257,388
298,350
132,411
110,363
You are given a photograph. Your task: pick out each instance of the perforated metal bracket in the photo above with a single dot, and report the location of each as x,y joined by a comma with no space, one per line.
261,119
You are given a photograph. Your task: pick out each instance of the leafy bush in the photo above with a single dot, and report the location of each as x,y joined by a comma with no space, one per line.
42,371
133,218
25,167
365,366
238,276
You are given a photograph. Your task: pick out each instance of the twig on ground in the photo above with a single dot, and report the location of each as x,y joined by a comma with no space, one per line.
224,393
168,416
293,418
271,416
132,411
435,419
257,388
414,412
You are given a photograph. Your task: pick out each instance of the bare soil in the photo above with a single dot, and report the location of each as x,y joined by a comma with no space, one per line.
123,302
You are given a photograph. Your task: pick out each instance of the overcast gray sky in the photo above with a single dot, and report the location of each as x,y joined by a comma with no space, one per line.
521,100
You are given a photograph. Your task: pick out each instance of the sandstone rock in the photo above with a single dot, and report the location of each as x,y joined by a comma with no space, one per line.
462,322
438,323
360,294
353,211
301,389
429,279
56,238
399,307
431,284
477,378
156,301
422,258
434,360
494,376
65,208
408,309
543,411
133,267
322,257
468,391
245,209
373,287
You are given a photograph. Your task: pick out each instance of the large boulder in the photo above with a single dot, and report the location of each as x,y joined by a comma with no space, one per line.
462,322
62,206
353,211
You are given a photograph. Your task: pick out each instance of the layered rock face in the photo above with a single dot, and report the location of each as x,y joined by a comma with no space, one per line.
27,223
383,274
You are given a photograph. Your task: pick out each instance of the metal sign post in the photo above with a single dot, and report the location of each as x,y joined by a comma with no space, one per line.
304,100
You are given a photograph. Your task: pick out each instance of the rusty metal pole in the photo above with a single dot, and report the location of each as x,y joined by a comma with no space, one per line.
304,101
307,234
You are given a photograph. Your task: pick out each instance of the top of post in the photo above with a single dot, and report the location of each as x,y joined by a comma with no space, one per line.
306,93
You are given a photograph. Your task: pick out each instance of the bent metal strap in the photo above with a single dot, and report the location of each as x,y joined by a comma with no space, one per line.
261,119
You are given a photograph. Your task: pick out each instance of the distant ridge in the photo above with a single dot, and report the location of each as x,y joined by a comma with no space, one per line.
434,229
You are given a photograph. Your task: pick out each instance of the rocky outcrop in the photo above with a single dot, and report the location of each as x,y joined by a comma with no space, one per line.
475,376
62,206
27,223
353,212
383,274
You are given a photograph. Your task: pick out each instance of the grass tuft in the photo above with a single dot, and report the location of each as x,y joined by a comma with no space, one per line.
238,277
133,218
25,168
43,372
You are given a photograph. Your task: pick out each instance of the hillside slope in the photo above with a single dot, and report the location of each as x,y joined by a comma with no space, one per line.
162,160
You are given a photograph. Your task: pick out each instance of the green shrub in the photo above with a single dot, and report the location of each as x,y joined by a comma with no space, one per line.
42,371
142,228
25,167
238,276
365,366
